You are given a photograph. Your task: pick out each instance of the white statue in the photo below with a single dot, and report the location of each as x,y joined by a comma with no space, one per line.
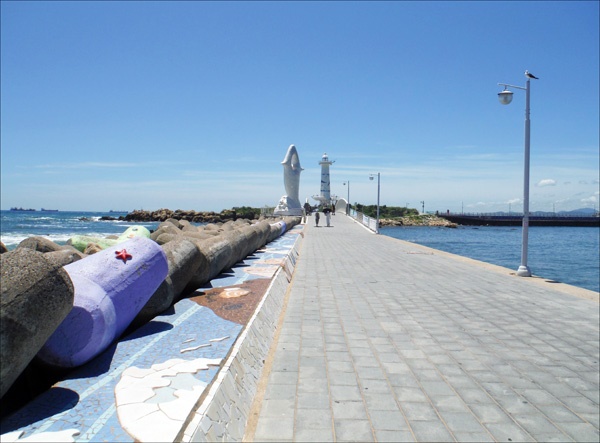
289,204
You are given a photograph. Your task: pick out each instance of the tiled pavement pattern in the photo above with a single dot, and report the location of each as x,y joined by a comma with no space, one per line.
384,340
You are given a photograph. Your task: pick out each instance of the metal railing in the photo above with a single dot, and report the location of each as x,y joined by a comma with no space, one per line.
369,222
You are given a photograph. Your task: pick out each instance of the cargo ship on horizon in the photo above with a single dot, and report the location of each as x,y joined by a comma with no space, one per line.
22,209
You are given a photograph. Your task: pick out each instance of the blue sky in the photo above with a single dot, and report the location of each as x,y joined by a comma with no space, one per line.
192,105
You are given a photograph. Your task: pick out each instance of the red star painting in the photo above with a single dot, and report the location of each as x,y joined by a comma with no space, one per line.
123,255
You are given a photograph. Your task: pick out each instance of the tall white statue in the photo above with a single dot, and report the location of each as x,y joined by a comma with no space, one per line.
289,204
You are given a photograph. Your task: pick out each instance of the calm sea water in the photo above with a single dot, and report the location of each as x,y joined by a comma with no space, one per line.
566,254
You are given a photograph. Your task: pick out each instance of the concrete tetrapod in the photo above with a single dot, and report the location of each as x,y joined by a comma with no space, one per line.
195,257
80,242
36,296
184,259
111,287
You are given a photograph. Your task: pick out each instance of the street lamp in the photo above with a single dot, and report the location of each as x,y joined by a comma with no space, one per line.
505,98
378,188
348,201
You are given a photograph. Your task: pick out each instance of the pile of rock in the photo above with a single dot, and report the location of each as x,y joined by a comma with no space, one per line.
41,285
420,220
191,216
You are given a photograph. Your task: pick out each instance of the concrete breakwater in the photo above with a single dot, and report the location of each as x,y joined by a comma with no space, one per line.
194,256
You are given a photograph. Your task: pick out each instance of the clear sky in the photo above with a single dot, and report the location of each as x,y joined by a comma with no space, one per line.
192,105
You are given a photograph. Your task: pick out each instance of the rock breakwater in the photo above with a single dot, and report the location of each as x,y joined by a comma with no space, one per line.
192,216
418,220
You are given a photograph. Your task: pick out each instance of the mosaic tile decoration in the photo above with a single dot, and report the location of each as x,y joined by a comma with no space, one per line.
148,382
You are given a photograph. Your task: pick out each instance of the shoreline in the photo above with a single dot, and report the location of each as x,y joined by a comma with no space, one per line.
417,220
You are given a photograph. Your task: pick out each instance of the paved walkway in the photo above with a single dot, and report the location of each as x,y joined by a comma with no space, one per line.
384,340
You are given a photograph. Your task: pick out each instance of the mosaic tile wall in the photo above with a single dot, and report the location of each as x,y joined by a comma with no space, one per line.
224,416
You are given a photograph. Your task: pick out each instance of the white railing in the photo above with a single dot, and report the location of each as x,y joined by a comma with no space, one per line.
369,222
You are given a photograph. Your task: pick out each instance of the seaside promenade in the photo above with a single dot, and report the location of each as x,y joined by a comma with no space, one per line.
384,340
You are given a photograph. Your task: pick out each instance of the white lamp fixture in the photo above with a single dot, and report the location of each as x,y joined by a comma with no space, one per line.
505,97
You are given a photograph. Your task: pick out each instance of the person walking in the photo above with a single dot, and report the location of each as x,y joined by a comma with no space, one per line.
327,212
317,218
307,207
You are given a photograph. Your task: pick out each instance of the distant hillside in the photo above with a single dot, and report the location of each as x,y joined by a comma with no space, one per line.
582,212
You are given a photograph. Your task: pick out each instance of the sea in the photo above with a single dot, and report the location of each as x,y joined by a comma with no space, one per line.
568,255
565,254
60,226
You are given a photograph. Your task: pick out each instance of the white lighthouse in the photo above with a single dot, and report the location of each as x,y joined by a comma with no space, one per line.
325,197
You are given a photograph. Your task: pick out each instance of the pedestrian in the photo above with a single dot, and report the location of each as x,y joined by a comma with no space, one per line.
307,207
317,218
327,212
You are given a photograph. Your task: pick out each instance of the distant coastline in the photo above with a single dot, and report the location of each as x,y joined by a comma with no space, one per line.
517,220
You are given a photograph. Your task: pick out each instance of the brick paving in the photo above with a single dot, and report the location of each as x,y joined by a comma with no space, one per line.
384,340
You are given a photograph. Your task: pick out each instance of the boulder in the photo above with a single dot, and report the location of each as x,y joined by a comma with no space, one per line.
200,235
80,242
184,260
238,242
3,248
216,251
172,221
134,231
276,229
229,226
165,228
36,296
185,225
64,256
164,238
92,248
40,244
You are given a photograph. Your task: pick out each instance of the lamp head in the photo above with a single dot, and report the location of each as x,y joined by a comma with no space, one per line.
505,97
370,177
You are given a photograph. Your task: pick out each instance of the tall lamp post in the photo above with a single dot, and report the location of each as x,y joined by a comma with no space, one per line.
348,200
505,98
371,176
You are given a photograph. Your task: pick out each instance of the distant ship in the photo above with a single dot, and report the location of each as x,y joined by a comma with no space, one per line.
49,210
22,209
